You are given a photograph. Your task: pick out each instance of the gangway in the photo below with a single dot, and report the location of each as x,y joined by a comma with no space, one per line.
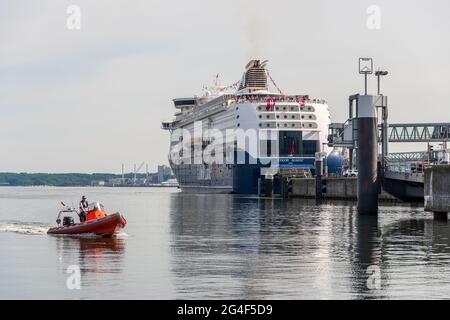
419,132
343,134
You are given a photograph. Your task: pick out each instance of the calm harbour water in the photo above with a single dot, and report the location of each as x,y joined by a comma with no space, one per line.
184,246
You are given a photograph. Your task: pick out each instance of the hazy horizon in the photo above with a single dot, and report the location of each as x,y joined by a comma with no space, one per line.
89,100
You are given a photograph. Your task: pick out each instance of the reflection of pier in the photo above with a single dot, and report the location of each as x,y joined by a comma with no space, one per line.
366,255
400,250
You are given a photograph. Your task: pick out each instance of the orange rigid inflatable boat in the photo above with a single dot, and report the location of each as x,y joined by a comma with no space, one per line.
97,222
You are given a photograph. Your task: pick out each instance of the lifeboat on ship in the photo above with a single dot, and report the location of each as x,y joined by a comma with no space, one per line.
98,222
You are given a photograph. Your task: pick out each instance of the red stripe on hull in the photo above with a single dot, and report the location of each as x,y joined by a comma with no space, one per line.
105,227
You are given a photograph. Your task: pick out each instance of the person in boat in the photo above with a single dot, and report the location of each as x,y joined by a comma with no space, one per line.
83,208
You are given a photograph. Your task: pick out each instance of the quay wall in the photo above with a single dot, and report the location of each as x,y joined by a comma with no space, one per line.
437,188
336,188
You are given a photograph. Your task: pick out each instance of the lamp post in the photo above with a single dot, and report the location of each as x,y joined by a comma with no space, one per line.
380,74
384,125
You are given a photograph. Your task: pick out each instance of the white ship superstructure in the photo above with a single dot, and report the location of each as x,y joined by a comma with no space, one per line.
289,130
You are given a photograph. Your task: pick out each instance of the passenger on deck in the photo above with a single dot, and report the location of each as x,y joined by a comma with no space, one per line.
83,208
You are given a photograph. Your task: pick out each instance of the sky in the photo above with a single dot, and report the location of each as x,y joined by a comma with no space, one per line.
90,99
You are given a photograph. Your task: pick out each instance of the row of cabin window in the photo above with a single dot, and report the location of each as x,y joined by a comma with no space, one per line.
285,108
285,116
293,125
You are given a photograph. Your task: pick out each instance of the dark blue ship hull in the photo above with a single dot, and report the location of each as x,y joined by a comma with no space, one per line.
229,178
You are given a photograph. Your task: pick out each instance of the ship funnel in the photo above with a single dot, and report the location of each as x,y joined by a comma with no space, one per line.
255,77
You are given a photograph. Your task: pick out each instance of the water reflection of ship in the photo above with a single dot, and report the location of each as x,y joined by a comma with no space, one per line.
254,245
236,247
216,236
230,218
93,255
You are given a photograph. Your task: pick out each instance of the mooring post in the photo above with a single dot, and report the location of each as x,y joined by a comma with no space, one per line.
319,176
268,185
284,186
367,155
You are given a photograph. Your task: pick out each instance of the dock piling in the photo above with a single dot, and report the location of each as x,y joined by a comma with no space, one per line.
367,155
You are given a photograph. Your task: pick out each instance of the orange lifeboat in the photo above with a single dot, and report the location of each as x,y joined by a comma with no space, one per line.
97,222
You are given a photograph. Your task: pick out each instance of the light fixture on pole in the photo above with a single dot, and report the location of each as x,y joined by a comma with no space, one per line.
380,74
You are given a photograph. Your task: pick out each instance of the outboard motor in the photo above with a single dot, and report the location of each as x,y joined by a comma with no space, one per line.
68,221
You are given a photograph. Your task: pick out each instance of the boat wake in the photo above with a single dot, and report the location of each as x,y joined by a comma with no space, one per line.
120,235
36,228
24,228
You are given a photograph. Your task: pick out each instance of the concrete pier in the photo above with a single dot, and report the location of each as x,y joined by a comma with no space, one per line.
343,188
437,190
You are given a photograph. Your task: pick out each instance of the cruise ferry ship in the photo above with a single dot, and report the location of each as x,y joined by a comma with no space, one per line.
289,131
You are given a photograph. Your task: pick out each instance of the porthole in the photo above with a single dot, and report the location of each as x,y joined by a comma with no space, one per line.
285,124
285,116
303,117
278,117
293,124
260,116
238,124
268,125
268,117
293,117
260,125
310,125
237,117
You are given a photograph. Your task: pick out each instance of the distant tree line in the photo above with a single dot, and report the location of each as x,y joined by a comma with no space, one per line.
57,179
